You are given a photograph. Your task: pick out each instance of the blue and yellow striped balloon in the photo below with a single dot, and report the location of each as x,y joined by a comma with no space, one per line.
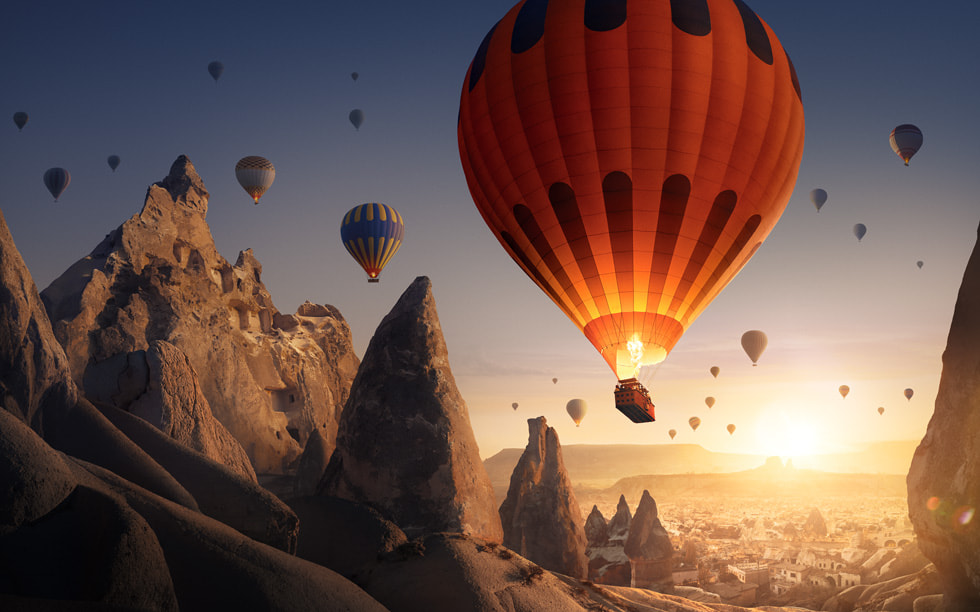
372,234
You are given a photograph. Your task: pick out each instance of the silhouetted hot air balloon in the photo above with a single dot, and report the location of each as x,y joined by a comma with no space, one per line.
372,233
357,118
554,380
616,170
215,69
920,264
754,343
731,429
694,422
514,405
672,433
881,410
576,409
20,120
715,370
56,180
905,140
255,174
710,401
113,161
908,394
860,230
819,198
844,390
354,75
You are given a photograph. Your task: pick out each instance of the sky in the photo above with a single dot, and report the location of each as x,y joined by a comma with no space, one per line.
130,79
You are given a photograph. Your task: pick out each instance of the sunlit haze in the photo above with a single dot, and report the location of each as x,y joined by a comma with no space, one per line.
131,79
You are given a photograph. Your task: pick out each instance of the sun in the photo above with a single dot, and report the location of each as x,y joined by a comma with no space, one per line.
787,433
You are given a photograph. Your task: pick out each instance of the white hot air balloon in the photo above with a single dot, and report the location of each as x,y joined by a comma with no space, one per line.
754,343
255,174
576,409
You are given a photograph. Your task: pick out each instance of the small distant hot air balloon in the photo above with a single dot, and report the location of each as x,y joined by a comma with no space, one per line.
215,68
20,120
754,342
844,390
113,162
819,198
56,180
908,394
919,264
354,75
576,409
694,422
514,405
881,410
554,380
860,230
255,174
731,429
672,433
372,233
905,140
710,401
357,118
715,370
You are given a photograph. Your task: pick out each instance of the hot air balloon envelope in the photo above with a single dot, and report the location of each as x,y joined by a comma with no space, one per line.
56,180
113,161
514,405
372,233
255,174
860,230
356,117
844,390
354,75
576,409
881,410
215,69
554,380
730,428
919,264
905,141
672,433
605,151
819,198
908,394
694,422
710,401
715,370
20,120
754,343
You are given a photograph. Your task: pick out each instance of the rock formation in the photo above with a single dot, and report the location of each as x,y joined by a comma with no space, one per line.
271,379
945,471
312,463
405,445
608,563
160,386
540,516
648,546
619,524
815,525
596,530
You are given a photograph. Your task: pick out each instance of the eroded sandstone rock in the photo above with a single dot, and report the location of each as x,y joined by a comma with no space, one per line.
648,546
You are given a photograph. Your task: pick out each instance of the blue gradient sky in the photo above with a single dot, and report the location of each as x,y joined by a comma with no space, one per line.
130,78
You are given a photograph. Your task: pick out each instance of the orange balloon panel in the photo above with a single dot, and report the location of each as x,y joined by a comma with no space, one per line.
631,156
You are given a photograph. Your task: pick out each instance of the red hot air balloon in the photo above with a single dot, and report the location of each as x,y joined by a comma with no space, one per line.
631,157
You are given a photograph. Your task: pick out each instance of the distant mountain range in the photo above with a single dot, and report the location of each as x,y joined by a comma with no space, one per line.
670,466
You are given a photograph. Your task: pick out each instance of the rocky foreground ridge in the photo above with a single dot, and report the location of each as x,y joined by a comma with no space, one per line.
119,492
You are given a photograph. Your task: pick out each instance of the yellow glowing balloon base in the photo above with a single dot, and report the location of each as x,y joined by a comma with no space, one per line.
626,364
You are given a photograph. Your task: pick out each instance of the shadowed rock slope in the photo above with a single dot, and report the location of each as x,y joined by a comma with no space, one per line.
270,378
944,480
405,445
540,516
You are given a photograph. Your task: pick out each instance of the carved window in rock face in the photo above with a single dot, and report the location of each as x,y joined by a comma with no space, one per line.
227,280
195,262
265,320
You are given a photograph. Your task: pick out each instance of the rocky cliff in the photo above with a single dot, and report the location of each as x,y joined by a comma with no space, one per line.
270,378
944,478
540,516
405,445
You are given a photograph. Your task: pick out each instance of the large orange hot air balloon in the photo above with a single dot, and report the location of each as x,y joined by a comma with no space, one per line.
631,157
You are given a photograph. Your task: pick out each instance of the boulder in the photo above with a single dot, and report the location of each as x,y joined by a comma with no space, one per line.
540,516
945,472
160,386
158,276
405,445
648,546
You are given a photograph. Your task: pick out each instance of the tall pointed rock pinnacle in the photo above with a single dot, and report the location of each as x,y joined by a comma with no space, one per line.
405,444
540,516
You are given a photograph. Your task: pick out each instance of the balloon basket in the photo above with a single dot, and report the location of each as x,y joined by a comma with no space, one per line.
633,400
